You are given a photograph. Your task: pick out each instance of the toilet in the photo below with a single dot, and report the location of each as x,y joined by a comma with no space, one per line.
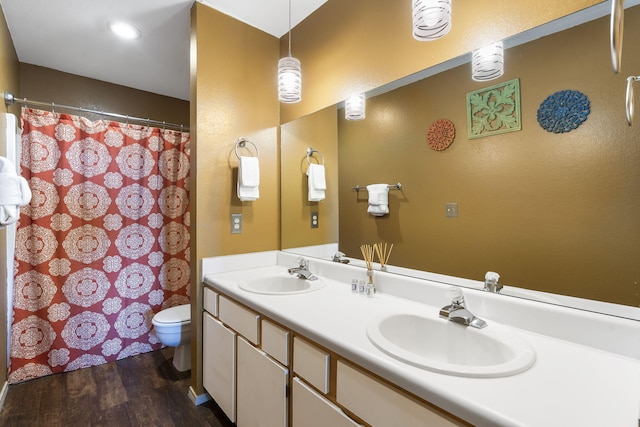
173,328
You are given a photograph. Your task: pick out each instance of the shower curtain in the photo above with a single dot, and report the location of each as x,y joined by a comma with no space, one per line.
103,245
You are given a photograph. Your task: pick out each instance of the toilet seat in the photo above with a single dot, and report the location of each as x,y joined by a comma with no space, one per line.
180,314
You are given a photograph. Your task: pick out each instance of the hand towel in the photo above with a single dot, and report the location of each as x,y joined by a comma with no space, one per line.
248,179
317,182
14,192
378,199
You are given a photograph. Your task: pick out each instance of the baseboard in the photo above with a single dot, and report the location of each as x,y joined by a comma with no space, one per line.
198,399
3,393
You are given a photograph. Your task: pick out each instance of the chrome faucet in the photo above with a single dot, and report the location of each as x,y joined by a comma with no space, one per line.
456,312
491,282
337,257
302,271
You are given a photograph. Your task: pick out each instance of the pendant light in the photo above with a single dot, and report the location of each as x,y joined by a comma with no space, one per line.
487,63
431,19
354,108
289,75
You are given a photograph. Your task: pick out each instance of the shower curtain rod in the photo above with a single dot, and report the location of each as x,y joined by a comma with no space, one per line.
9,99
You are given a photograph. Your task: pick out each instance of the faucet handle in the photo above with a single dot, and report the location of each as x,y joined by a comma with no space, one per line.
455,294
492,276
303,263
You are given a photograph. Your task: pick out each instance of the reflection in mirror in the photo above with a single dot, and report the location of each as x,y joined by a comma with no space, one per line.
551,212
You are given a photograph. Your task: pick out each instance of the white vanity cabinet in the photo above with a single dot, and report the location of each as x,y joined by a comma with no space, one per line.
262,388
248,363
381,405
311,409
219,364
248,384
310,405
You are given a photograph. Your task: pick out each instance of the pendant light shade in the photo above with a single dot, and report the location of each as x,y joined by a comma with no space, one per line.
289,75
354,108
289,80
431,19
487,63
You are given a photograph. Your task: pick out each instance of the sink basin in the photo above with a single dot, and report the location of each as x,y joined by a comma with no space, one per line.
446,347
281,284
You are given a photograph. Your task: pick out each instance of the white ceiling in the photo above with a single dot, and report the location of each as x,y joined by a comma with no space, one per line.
72,36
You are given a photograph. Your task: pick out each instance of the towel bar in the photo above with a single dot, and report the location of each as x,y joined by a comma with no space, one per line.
242,142
397,186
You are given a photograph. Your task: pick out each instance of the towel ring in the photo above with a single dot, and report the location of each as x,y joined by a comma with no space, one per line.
242,142
310,152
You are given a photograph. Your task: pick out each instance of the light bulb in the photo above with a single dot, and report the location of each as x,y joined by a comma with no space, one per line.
487,63
354,108
431,19
289,80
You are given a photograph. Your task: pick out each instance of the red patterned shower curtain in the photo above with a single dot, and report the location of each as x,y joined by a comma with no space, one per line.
103,245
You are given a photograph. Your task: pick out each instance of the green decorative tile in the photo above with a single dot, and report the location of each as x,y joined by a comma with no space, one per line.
494,109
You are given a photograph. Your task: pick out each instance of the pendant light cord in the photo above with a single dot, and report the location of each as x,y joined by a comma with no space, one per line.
289,27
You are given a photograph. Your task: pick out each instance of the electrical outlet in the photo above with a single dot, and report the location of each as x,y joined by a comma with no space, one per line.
236,223
314,219
451,210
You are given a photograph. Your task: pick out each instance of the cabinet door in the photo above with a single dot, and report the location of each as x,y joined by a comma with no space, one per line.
310,409
219,364
262,388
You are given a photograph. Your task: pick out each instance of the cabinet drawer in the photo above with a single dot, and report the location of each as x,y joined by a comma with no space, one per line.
380,405
311,409
311,363
211,301
275,341
241,319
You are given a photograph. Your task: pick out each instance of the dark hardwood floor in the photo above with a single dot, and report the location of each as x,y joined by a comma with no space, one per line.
143,390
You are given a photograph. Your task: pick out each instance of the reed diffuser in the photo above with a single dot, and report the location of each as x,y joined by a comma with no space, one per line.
384,252
368,253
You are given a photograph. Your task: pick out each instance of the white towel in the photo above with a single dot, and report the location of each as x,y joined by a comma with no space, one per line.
317,182
248,179
14,192
378,199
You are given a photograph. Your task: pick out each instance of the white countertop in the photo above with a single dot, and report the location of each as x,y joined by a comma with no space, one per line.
569,385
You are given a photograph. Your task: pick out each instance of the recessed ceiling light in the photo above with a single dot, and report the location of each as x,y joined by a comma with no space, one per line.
124,30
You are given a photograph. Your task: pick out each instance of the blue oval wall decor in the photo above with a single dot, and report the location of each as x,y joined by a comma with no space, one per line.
563,111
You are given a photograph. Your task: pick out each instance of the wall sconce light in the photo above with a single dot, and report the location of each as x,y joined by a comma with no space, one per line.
354,108
289,75
487,63
431,19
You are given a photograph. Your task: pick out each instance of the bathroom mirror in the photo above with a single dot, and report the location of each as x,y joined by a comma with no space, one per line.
551,212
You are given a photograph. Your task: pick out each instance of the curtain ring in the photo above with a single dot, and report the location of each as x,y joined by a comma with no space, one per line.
53,107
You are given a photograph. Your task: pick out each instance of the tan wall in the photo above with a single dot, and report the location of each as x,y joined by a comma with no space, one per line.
232,66
554,212
48,85
319,131
8,81
348,47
